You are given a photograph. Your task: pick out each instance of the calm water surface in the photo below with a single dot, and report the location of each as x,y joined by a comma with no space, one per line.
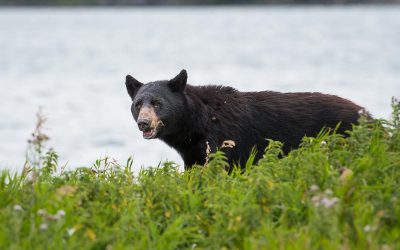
72,62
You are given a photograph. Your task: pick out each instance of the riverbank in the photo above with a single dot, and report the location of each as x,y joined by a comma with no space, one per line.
332,193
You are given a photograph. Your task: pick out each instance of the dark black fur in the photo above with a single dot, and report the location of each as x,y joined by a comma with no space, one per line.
195,115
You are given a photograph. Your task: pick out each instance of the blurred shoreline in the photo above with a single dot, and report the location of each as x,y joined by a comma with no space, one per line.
201,6
190,3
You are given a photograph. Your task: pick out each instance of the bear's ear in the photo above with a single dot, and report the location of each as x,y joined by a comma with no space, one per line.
132,85
178,83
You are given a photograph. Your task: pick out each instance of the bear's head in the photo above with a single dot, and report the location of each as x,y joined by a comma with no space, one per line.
158,107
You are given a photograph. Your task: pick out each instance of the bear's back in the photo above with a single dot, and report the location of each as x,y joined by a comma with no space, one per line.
251,118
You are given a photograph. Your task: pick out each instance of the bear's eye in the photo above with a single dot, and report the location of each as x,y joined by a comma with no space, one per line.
156,104
138,105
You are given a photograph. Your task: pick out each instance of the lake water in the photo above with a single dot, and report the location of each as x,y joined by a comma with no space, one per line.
73,62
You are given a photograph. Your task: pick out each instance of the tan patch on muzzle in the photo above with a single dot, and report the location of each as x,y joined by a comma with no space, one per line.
148,113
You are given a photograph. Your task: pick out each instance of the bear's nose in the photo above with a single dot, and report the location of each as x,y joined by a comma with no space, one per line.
143,124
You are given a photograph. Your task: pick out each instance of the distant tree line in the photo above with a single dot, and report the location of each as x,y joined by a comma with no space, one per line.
181,2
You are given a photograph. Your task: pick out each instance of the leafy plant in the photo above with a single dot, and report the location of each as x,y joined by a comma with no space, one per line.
334,192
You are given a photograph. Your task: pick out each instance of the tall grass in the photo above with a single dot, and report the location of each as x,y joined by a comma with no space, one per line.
332,193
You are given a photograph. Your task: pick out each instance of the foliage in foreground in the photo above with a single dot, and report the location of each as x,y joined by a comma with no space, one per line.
332,193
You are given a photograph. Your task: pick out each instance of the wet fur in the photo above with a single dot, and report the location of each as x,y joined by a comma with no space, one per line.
214,114
250,118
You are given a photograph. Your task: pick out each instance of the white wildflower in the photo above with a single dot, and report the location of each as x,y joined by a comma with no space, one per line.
61,213
314,188
369,228
323,200
71,231
41,212
328,192
328,203
316,200
43,226
17,208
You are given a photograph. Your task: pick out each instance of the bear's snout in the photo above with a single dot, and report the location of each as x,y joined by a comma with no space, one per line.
144,124
148,122
147,116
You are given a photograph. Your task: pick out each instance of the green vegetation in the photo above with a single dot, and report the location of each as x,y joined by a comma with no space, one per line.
332,193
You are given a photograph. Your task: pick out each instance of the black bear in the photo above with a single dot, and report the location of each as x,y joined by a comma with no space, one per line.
194,119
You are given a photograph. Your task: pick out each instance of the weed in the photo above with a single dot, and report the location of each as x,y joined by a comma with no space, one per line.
334,192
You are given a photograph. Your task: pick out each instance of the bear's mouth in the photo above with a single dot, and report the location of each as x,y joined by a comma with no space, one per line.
153,132
150,134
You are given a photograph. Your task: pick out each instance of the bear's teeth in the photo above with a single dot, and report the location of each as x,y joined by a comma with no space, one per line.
148,134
